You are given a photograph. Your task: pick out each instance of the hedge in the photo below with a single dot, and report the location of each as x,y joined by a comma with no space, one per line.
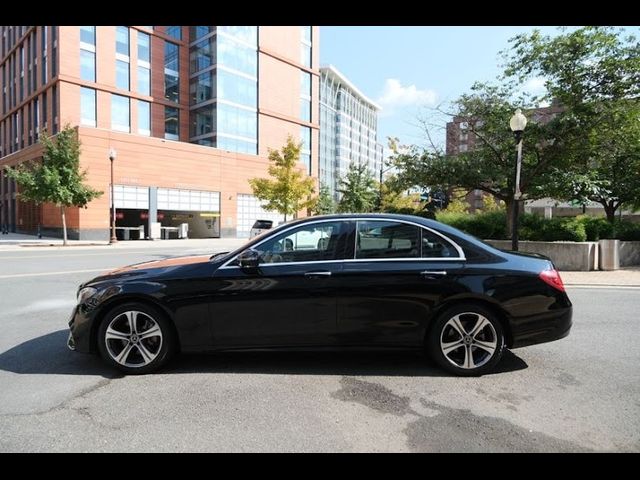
493,225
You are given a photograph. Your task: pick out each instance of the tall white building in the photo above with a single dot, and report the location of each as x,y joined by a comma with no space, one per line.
348,129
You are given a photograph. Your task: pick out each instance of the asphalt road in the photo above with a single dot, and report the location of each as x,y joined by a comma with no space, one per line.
581,393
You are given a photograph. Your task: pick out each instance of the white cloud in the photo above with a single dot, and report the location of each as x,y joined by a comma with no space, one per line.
397,95
535,86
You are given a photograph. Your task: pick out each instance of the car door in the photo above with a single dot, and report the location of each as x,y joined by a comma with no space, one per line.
399,271
289,300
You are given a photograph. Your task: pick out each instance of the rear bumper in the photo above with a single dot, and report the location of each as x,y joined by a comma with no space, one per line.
542,328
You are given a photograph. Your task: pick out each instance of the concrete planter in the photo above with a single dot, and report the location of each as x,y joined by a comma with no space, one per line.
629,254
577,256
609,254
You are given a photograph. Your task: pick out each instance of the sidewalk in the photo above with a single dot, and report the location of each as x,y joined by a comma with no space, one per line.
16,241
628,277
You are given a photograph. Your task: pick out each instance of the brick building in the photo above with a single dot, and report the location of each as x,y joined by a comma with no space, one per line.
190,112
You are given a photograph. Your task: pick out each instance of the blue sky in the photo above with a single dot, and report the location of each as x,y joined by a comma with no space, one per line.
402,67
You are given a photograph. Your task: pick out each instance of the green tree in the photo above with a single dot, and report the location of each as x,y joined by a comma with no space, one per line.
397,200
289,190
594,73
358,189
324,203
57,178
490,165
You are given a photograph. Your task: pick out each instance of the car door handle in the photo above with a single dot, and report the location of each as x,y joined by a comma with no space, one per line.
433,273
317,274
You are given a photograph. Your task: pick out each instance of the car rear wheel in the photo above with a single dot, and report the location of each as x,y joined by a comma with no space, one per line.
466,340
135,338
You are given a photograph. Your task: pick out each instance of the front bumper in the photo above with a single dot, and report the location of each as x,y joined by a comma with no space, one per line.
80,331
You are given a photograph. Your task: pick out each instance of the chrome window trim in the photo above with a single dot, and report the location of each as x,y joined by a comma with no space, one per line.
461,258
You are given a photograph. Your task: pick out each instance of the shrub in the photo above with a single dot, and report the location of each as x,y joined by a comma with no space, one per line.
563,229
627,231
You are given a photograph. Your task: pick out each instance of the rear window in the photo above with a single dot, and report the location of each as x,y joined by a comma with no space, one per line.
263,224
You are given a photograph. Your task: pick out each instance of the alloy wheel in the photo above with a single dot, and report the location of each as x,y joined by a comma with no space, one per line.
133,339
468,340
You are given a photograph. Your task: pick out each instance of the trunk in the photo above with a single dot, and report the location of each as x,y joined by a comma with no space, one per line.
610,211
64,226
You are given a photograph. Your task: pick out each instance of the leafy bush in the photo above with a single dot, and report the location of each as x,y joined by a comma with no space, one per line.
583,228
627,231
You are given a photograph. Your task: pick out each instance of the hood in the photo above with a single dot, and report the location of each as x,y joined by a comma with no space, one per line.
166,263
149,269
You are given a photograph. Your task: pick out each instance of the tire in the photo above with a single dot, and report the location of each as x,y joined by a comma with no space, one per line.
148,347
462,353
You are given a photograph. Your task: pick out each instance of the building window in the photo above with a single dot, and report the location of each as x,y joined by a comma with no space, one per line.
88,106
87,36
202,121
305,46
144,118
144,80
305,96
122,41
171,123
54,108
122,74
171,72
120,113
144,47
305,151
462,148
202,55
175,32
197,32
87,65
201,88
236,88
236,55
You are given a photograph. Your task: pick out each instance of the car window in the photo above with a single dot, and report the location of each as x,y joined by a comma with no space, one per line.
263,224
308,243
434,246
385,239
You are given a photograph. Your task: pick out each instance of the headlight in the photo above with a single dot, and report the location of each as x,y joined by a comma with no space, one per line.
85,293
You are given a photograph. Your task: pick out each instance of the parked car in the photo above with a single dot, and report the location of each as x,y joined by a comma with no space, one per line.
260,226
338,281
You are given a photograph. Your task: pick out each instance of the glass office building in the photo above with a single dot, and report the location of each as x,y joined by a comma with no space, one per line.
348,129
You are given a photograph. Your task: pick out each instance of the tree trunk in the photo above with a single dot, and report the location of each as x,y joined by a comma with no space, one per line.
64,226
610,211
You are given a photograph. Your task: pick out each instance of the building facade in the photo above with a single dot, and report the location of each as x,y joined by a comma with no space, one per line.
190,112
348,129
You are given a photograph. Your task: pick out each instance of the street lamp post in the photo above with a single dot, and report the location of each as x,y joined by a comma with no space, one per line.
113,239
517,123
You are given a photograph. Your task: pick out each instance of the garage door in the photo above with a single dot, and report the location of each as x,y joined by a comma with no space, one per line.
249,210
128,196
188,200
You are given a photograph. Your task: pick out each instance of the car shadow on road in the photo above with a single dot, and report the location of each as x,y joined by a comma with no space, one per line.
388,364
49,354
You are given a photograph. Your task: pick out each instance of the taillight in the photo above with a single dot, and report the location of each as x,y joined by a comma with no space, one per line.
552,277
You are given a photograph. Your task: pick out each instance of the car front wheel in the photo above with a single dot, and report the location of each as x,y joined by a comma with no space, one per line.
135,338
467,340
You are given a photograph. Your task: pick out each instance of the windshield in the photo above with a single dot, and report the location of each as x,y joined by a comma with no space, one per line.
249,243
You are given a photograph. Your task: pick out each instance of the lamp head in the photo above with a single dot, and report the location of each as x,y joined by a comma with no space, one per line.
518,121
112,154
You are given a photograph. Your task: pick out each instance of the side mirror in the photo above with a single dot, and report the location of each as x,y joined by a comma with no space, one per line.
249,259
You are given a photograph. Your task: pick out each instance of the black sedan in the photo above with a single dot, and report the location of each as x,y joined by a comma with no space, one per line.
330,282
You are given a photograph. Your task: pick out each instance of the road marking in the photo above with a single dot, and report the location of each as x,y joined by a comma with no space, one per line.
74,255
15,275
